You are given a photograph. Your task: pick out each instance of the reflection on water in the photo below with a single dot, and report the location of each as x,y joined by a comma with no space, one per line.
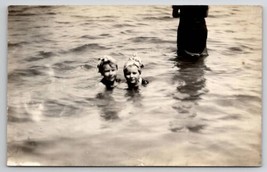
134,97
108,106
190,83
191,79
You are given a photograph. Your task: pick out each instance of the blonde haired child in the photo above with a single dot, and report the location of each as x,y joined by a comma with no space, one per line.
132,73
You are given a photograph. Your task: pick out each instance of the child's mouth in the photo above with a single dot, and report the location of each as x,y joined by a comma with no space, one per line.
132,80
111,78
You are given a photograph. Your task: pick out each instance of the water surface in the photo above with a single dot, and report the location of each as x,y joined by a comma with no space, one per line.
204,113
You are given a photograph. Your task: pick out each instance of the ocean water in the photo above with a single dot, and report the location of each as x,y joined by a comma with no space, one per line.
206,113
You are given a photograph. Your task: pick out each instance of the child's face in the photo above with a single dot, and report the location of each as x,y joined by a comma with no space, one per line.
109,72
132,74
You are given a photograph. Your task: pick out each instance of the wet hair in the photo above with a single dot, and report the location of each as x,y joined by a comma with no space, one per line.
106,60
133,61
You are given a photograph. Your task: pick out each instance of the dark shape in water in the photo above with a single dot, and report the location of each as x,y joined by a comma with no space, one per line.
192,31
196,128
108,106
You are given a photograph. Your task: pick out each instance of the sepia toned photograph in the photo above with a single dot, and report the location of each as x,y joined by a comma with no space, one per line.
134,85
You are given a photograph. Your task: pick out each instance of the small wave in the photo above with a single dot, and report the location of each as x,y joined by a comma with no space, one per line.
41,55
242,49
248,98
31,59
181,110
105,34
22,14
231,117
25,12
235,49
53,108
229,31
20,75
62,78
127,31
112,17
50,13
151,65
30,146
44,6
14,9
149,40
142,24
219,15
17,119
40,68
123,25
46,54
88,46
89,37
17,115
60,22
65,65
85,24
18,44
196,128
247,47
24,73
80,16
229,101
87,66
158,18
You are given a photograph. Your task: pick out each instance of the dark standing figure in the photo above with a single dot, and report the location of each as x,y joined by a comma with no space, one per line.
192,31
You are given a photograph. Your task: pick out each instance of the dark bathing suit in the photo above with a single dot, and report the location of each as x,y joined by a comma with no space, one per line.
110,84
192,31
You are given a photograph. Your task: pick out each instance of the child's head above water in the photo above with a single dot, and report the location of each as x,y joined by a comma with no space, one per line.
108,68
132,72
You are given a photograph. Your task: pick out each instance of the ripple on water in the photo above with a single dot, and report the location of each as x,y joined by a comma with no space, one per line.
192,125
87,47
41,55
21,74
